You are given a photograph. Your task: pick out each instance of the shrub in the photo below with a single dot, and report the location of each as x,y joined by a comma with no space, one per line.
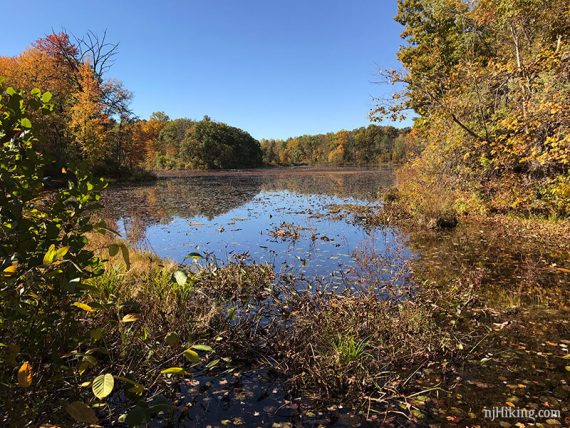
43,256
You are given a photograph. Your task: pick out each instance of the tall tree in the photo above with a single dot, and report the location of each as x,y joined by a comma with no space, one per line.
87,118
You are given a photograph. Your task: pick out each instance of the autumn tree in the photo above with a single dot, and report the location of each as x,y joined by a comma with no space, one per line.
87,119
87,106
145,137
488,80
363,146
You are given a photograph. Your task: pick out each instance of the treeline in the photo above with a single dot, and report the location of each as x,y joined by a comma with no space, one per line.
189,144
92,121
490,81
363,146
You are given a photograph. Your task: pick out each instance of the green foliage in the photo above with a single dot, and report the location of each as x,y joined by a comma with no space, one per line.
213,145
91,120
43,256
206,144
350,350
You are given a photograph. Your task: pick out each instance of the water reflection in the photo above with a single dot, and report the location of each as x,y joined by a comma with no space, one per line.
273,218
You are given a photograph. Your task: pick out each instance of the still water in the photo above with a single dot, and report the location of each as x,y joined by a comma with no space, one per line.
280,217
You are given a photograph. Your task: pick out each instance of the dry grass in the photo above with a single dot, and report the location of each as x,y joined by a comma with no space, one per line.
365,342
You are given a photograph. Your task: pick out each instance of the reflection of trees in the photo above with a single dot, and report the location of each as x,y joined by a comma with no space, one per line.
354,184
142,205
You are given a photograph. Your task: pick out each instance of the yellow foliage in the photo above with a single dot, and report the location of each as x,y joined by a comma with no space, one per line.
25,375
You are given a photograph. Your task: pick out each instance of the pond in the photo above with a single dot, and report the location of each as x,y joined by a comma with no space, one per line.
277,216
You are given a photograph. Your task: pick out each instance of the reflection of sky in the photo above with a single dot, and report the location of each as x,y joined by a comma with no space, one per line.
324,246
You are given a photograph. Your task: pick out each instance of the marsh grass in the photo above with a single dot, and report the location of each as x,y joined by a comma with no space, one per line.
366,341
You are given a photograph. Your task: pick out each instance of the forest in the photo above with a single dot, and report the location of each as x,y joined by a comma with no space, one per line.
372,145
93,122
189,144
429,287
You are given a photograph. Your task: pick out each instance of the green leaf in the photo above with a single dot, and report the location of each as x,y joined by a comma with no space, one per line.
90,359
205,348
126,258
103,385
50,255
144,335
212,363
25,122
82,413
174,370
180,278
136,388
194,256
172,339
46,97
191,356
96,334
136,417
113,250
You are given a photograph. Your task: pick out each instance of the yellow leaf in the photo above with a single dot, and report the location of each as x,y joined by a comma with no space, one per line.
10,270
103,385
130,318
25,375
60,254
50,255
510,404
84,306
191,356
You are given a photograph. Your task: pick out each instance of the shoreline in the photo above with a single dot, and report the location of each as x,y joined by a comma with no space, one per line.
285,170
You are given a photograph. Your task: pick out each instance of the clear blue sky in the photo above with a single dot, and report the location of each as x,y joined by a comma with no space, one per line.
276,68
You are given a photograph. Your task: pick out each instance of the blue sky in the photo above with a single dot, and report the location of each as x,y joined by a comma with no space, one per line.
275,68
